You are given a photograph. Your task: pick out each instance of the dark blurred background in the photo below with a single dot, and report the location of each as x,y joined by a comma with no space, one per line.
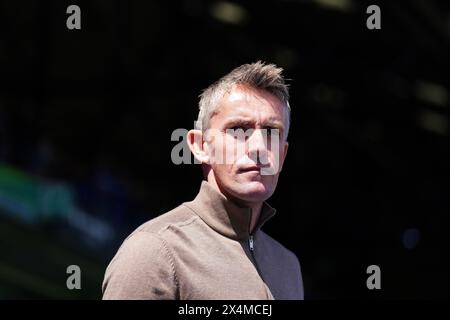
86,118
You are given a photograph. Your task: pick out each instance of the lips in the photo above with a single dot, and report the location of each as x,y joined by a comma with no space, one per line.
250,169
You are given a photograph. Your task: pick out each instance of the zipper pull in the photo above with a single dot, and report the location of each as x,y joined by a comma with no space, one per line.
250,242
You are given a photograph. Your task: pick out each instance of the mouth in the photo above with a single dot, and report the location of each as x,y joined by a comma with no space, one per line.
250,169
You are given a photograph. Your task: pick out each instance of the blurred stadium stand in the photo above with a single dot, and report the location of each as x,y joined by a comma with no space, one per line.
86,118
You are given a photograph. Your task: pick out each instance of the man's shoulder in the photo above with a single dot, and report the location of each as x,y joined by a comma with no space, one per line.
177,217
153,235
144,258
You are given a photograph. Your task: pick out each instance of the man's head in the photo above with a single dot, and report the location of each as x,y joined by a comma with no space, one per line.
241,132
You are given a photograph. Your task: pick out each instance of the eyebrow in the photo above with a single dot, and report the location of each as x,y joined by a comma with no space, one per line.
274,125
239,122
247,123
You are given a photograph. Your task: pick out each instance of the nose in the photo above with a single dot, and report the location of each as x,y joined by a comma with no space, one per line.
257,147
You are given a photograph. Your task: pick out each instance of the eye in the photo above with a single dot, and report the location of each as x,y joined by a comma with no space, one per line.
272,131
238,132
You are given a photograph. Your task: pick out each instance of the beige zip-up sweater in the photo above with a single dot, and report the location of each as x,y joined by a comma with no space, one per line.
203,250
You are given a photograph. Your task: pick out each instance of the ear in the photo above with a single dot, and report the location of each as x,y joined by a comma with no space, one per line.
195,142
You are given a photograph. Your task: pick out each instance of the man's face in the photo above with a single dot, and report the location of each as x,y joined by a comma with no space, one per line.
247,167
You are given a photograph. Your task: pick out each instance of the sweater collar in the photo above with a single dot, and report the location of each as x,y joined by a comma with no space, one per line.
224,216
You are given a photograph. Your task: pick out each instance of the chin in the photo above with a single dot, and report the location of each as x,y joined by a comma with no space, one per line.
254,192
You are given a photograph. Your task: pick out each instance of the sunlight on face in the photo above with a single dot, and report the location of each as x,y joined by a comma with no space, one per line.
255,157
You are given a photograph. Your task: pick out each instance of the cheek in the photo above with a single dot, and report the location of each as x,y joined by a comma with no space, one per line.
215,152
233,150
274,149
276,157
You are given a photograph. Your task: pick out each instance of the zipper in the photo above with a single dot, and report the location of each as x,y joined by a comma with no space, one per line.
251,245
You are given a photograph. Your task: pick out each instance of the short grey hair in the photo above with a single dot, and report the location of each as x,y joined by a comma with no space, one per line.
257,75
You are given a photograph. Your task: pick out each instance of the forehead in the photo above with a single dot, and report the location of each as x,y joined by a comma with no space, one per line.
251,103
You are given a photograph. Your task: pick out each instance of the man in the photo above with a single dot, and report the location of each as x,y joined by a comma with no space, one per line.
213,247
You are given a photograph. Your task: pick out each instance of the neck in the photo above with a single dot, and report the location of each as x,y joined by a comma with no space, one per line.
256,211
254,206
